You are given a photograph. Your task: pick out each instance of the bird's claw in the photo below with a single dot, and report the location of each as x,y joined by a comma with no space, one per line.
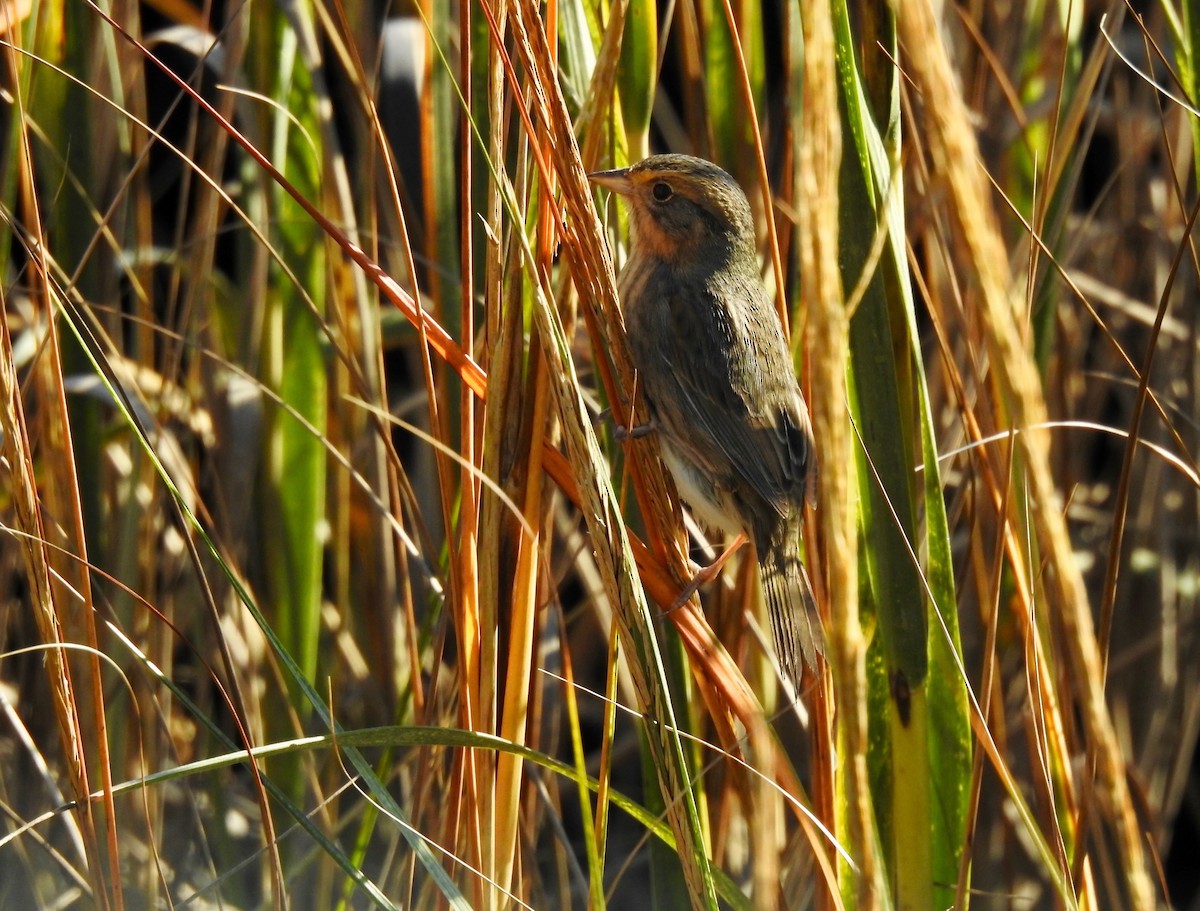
632,433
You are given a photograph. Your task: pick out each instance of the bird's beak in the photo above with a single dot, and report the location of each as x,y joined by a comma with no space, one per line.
618,181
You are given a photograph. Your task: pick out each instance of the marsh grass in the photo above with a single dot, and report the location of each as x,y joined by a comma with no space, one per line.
329,581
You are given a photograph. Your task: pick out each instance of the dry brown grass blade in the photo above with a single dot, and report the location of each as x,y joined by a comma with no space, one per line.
62,582
955,154
24,489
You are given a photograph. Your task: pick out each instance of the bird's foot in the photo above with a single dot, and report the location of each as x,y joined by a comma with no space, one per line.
705,574
632,433
620,431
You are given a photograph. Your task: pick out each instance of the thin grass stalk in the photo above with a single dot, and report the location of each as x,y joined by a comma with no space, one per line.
438,117
131,219
684,25
352,311
400,666
71,586
504,331
470,431
594,820
503,327
991,708
828,335
519,658
531,549
135,525
748,82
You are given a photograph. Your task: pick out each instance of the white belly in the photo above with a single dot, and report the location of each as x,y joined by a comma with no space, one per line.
706,503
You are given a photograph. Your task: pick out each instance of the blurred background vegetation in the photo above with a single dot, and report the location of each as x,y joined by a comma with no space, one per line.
328,583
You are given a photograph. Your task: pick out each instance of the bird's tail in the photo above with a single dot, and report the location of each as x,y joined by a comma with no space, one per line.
792,609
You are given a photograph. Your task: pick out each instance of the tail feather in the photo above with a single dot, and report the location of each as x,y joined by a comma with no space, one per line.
792,609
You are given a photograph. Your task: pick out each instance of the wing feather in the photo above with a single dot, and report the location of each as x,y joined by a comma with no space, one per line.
739,409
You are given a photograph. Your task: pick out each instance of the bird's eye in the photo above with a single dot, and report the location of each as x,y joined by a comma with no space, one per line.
662,191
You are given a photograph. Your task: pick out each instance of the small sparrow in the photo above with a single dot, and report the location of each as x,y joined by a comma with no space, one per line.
717,376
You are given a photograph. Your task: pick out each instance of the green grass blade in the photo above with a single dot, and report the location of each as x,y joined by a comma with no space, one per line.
293,362
637,74
925,773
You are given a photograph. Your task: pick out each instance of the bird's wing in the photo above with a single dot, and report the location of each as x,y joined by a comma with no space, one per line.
741,409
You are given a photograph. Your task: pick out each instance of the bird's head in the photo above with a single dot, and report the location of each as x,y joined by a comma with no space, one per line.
683,207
